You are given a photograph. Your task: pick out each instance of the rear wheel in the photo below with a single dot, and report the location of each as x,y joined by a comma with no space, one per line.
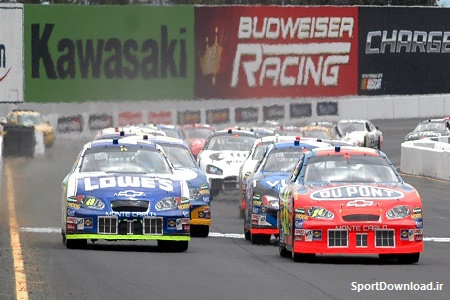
199,231
260,239
75,244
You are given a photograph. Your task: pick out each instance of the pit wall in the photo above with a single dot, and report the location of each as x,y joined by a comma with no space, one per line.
426,158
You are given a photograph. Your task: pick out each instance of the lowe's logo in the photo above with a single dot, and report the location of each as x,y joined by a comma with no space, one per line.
356,192
108,58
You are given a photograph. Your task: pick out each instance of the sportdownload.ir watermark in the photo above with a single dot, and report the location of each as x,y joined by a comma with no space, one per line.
385,286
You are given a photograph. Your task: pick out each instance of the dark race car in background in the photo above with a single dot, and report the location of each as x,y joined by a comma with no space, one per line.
431,128
195,136
125,190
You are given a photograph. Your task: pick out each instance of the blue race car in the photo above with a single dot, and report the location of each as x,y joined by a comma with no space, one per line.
125,190
264,184
182,159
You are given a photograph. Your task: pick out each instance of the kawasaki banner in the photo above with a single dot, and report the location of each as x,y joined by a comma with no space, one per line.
404,50
88,53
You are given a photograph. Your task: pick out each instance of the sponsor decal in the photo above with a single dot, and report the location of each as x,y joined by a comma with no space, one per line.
255,210
301,217
416,216
67,124
129,194
71,227
351,192
370,82
183,206
74,205
404,234
179,224
360,203
88,222
70,212
256,198
417,210
72,220
317,235
407,41
363,228
300,110
299,232
246,114
257,203
308,235
275,52
419,234
80,224
184,200
72,199
300,210
186,213
94,183
299,223
187,228
273,184
100,121
130,118
188,117
185,221
171,223
206,199
255,217
161,117
83,58
298,238
127,214
419,223
218,116
201,214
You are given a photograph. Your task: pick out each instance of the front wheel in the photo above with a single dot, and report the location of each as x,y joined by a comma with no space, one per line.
173,246
408,259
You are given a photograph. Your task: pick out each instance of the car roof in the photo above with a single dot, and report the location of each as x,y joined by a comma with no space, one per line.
342,150
115,142
158,139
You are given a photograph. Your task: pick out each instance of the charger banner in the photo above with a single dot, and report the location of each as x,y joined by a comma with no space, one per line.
404,50
11,53
121,53
275,51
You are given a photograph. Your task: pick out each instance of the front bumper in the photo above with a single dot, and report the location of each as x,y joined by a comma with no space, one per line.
363,238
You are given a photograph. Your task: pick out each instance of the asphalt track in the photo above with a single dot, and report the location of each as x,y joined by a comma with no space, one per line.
34,264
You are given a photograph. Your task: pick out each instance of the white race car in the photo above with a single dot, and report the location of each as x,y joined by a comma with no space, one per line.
222,156
360,133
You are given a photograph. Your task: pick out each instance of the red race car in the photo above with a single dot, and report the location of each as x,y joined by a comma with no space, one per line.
349,200
195,135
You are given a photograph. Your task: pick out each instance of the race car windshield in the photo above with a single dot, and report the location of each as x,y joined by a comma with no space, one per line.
179,156
316,133
350,127
282,160
349,168
231,142
258,153
198,133
124,160
431,126
29,119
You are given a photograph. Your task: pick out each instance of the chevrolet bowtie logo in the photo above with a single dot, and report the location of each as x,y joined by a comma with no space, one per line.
359,203
129,194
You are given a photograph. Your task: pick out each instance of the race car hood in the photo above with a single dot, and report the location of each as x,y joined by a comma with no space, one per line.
194,177
271,180
108,187
226,158
374,199
420,135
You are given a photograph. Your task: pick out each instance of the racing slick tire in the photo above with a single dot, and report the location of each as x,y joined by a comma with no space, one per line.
379,144
76,244
284,252
173,246
247,235
199,231
408,259
260,239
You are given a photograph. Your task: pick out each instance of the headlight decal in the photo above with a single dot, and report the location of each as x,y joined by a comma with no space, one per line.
398,212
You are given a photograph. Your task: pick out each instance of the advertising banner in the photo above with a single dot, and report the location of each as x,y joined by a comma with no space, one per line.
275,51
11,53
121,53
404,50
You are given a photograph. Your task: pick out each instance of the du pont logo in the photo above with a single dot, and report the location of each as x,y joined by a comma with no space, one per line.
3,62
107,58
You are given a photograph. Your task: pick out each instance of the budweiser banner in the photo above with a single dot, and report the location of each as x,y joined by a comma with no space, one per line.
275,51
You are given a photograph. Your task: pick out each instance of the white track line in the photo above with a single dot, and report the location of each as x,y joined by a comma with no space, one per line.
211,234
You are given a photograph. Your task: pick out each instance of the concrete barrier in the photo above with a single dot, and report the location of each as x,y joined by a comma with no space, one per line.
426,158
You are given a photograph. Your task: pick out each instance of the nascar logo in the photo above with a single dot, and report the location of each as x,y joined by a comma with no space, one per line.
356,192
